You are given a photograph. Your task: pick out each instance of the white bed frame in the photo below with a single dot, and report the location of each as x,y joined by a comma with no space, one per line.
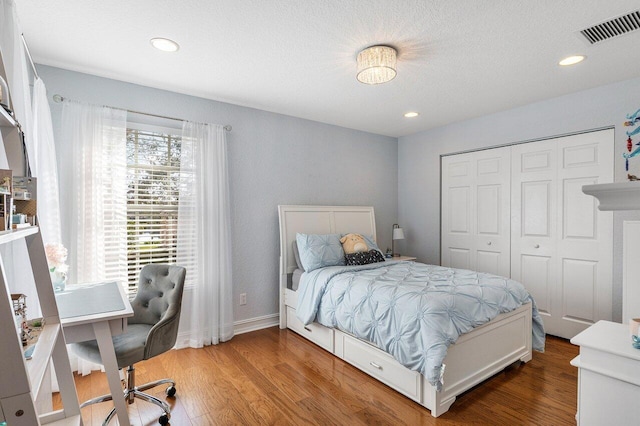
473,358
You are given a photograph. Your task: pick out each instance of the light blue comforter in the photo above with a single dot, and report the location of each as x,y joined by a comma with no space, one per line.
410,310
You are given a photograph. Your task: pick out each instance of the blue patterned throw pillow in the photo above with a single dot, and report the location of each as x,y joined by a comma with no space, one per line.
317,251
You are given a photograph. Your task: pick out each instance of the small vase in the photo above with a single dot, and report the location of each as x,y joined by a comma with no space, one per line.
58,280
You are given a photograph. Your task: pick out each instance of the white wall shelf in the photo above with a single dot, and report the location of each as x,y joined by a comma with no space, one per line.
13,235
6,120
38,365
615,196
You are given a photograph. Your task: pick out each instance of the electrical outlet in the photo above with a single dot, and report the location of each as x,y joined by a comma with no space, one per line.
243,298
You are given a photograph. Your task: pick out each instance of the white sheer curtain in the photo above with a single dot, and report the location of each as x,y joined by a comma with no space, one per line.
98,195
44,167
98,188
204,241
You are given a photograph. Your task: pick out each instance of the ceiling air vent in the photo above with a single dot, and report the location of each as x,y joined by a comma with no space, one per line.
612,28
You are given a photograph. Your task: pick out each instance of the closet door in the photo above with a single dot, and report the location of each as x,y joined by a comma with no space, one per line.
562,246
492,211
457,235
533,223
475,211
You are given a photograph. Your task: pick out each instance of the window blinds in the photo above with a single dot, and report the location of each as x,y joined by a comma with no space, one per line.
153,177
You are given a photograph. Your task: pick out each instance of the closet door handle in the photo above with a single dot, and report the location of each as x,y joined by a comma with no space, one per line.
489,243
536,246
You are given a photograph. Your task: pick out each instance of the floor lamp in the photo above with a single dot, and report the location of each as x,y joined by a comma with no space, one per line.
397,234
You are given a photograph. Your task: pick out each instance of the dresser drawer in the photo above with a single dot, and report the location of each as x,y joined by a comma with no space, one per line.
318,334
382,366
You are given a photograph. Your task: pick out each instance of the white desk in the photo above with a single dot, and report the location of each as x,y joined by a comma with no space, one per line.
98,311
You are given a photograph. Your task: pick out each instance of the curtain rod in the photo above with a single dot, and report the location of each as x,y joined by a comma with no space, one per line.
26,49
60,98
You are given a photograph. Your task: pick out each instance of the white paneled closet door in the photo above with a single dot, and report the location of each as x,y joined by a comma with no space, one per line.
475,211
561,245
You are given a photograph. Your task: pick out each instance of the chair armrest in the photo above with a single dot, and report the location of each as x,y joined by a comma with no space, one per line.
162,335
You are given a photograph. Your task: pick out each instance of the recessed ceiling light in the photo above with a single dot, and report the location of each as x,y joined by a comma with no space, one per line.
164,44
572,60
411,114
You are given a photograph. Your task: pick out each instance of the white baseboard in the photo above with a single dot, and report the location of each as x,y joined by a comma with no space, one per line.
257,323
239,327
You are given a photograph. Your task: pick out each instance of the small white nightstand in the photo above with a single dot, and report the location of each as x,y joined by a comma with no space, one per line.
409,258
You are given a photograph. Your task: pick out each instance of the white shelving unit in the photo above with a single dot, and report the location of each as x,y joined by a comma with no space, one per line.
24,383
20,379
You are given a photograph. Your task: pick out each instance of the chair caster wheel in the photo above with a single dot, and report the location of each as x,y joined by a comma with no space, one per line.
163,420
171,390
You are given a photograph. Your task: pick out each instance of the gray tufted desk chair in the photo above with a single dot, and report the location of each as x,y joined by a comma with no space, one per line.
152,330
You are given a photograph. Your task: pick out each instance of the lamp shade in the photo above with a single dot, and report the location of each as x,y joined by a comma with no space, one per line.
398,234
376,65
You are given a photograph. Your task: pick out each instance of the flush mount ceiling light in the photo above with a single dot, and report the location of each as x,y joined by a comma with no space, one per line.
411,114
572,60
376,65
164,44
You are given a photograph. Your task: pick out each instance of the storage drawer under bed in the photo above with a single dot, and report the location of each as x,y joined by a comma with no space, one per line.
318,334
380,365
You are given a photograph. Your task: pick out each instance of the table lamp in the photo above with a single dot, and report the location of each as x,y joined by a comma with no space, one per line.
398,234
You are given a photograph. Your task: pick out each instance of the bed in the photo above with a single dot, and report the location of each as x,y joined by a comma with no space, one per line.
475,356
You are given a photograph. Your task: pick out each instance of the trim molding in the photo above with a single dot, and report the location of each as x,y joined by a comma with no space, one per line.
239,327
544,138
257,323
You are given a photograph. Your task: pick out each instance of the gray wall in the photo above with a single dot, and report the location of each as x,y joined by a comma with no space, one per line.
273,159
276,159
419,158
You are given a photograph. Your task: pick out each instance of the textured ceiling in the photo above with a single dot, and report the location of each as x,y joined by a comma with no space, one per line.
456,59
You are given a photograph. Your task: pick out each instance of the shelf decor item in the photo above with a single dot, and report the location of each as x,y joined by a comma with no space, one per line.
6,203
4,94
20,310
56,258
632,121
24,191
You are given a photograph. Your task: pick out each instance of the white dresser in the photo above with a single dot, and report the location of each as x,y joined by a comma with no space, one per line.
608,376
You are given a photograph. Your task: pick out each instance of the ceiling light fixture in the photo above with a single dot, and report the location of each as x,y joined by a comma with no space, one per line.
376,65
572,60
411,114
165,44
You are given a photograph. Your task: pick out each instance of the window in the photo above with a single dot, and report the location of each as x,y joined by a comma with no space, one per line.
153,177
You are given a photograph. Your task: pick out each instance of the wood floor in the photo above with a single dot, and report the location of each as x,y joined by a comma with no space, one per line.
274,376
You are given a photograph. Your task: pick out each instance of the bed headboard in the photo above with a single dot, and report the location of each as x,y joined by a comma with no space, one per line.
317,220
